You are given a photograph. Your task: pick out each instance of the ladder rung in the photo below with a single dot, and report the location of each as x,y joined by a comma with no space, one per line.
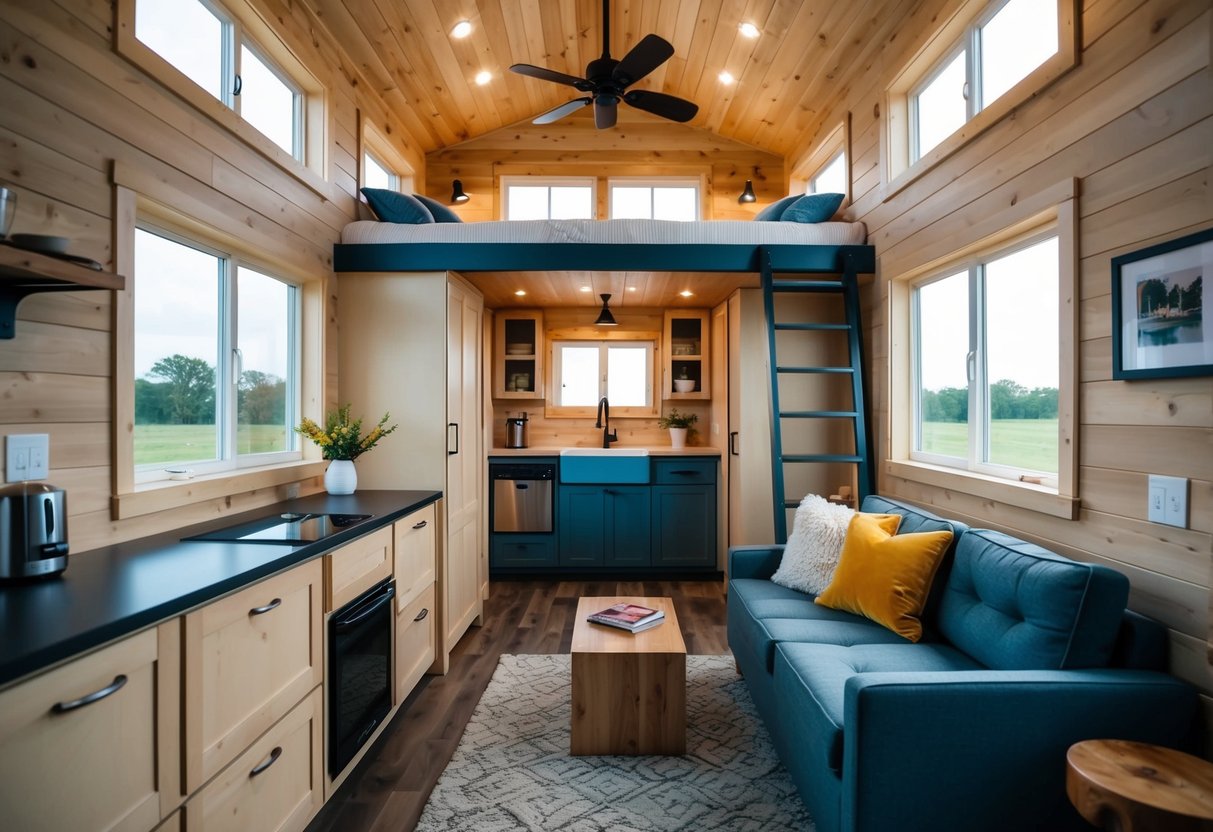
821,458
806,286
802,327
818,414
783,369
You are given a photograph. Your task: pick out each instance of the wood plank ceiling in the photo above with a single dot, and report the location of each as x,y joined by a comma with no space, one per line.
804,53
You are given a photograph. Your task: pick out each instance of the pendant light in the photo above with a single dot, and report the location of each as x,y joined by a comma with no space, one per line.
605,318
458,197
747,194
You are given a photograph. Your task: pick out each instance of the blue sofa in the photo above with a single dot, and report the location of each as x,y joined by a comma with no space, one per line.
1024,653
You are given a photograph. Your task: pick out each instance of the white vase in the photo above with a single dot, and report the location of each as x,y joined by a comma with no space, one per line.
341,477
678,437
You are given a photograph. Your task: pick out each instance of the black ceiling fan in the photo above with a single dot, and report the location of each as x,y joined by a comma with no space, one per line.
606,80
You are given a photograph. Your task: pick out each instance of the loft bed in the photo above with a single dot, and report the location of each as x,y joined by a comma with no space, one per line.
605,245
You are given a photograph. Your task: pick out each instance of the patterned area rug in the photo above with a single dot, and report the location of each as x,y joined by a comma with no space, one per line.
512,769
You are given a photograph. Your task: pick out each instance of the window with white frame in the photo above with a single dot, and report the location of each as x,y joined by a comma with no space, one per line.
203,40
666,199
555,198
986,363
217,359
830,178
377,174
585,371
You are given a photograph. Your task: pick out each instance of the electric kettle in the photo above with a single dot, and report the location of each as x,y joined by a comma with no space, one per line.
515,431
33,531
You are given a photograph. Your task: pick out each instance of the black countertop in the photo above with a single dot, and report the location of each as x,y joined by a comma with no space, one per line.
114,591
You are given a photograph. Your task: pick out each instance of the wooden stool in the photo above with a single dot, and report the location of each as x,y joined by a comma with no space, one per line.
1135,787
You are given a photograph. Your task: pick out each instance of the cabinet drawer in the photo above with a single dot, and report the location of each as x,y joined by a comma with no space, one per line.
276,784
414,643
356,567
414,543
523,550
69,760
681,470
249,658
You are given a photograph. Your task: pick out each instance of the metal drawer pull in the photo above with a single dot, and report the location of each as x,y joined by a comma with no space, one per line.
88,699
683,471
424,612
273,758
277,602
421,525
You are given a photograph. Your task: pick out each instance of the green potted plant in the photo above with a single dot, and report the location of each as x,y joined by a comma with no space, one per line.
679,425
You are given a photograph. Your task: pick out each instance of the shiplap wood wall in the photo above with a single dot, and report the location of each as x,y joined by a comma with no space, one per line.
1134,124
72,110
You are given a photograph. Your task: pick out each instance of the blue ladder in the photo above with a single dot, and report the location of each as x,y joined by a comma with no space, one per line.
779,281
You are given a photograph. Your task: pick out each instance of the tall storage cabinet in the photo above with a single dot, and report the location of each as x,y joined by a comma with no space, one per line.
411,344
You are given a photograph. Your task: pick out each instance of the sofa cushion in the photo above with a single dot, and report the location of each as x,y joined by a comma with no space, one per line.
811,679
811,554
885,576
1012,605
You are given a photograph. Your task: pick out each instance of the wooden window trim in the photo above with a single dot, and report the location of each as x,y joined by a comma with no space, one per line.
899,172
687,180
839,138
1056,207
504,181
263,39
552,339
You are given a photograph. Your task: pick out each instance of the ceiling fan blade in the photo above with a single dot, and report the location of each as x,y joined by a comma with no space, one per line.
660,104
545,74
605,114
557,113
646,56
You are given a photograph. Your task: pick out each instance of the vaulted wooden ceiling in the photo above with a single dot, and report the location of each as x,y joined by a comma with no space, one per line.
805,53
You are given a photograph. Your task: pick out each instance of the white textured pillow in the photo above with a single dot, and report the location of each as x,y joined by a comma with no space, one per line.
811,555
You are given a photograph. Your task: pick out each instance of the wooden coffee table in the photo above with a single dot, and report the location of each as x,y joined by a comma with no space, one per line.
629,689
1135,787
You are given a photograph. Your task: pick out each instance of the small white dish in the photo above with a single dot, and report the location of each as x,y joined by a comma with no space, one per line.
179,473
684,385
44,243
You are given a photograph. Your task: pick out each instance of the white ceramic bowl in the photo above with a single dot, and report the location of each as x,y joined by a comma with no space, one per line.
684,385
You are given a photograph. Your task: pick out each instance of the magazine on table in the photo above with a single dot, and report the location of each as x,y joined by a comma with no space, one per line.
630,617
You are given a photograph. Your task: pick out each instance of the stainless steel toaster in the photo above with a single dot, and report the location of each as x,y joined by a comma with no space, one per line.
33,531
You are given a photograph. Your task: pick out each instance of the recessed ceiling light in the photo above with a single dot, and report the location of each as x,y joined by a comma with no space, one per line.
726,77
462,29
686,293
586,289
749,30
483,77
520,292
631,288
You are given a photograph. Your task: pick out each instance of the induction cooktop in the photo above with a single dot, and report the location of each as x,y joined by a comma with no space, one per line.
286,529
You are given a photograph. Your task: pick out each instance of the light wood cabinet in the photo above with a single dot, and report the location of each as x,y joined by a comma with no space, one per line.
685,346
78,744
518,355
415,555
249,658
414,643
275,785
356,567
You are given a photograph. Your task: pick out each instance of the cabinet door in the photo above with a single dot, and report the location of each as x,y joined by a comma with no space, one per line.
277,784
626,525
415,550
356,567
414,643
78,744
684,525
518,355
523,550
249,658
581,522
686,371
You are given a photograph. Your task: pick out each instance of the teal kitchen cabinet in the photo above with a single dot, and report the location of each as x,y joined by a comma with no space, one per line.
683,501
604,525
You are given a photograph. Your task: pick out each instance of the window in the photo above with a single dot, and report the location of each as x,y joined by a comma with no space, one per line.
376,174
987,59
217,355
986,364
654,200
831,178
585,371
560,198
233,57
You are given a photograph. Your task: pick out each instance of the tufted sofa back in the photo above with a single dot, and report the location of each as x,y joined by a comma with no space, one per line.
1012,605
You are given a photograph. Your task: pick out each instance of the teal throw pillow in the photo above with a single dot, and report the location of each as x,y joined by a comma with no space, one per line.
393,206
775,210
813,208
441,212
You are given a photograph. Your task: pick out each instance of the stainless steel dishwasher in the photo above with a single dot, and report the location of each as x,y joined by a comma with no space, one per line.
522,496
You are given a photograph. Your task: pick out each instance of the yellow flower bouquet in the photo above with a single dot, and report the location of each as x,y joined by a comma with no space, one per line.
341,437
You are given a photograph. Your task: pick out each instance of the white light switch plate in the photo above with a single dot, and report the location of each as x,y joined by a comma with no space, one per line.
27,456
1168,501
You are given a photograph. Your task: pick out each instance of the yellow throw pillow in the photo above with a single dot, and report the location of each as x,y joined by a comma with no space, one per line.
885,576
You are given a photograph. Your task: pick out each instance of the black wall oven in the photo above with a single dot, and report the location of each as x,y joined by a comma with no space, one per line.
360,671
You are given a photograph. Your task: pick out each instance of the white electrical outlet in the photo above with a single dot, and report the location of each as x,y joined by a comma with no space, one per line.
27,456
1168,501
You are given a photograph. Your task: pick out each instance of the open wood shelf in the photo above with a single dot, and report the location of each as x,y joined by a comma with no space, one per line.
25,272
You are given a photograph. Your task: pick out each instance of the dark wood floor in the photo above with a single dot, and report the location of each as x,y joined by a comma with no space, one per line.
389,788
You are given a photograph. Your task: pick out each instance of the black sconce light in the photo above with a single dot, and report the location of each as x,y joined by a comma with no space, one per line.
458,197
605,318
747,195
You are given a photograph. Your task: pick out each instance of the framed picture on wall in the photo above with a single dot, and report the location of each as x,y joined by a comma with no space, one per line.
1160,328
